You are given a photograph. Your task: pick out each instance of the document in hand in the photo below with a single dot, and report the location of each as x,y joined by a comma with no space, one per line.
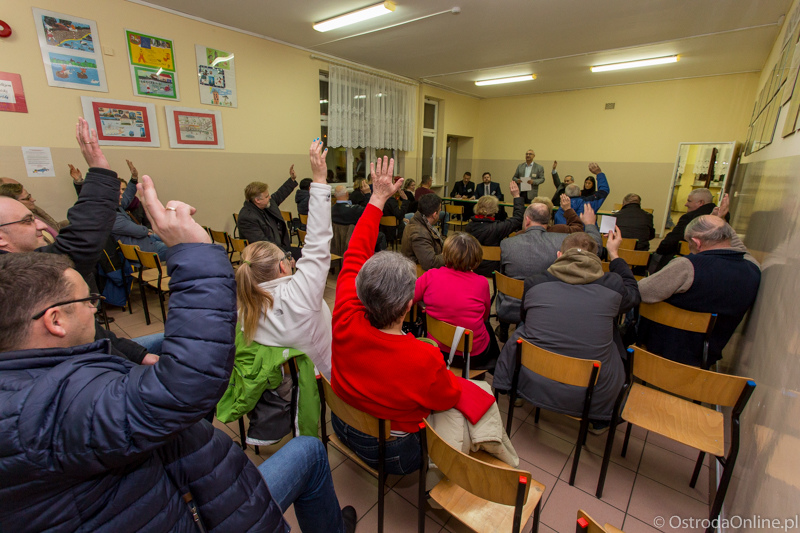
608,223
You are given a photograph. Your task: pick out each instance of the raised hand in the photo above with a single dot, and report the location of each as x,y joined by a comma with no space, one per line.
365,187
174,223
514,188
134,172
566,203
588,216
90,149
383,184
555,164
292,174
613,243
75,174
594,168
722,209
319,165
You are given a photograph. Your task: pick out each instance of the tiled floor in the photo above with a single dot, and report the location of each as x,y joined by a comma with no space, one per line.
651,481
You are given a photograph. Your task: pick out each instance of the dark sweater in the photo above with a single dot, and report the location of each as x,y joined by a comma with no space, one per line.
636,223
490,232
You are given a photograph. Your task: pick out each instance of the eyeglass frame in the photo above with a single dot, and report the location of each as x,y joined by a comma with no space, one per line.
93,296
27,219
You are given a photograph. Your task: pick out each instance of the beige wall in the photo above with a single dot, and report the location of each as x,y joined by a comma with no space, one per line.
277,117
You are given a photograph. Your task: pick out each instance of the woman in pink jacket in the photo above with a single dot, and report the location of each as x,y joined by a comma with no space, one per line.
455,294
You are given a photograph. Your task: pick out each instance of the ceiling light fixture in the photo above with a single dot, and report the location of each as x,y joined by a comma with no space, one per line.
636,64
498,81
384,8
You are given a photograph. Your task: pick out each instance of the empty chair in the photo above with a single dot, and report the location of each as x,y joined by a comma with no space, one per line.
150,260
139,274
455,211
391,222
237,247
235,225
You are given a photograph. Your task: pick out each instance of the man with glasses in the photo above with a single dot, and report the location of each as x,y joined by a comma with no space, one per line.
14,189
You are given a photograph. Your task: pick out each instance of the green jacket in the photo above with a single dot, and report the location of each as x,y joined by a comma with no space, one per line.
258,368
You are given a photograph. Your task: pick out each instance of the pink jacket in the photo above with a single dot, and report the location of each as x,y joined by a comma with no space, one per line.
459,298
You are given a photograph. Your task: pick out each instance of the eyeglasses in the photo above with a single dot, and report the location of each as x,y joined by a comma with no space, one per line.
93,298
288,256
27,220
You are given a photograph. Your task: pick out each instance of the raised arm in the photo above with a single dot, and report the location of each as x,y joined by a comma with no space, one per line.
630,289
286,189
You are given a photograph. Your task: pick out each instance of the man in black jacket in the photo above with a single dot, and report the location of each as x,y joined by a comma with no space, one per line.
634,222
560,185
464,189
345,213
260,218
489,231
699,202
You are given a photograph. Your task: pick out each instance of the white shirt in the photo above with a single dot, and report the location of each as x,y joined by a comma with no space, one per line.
528,170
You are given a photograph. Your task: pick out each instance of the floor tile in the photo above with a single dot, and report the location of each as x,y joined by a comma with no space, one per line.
541,448
116,330
226,429
651,499
619,480
354,486
126,320
143,329
291,518
519,412
674,471
399,517
597,445
559,425
561,509
548,480
671,445
632,525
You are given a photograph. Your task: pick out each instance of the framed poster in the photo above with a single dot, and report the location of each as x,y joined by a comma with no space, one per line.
12,97
216,74
70,51
152,61
194,128
121,123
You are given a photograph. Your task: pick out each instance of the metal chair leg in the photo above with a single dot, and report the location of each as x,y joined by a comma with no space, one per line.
144,303
381,473
255,449
536,512
627,438
612,431
536,416
161,301
242,433
722,489
697,467
512,397
578,447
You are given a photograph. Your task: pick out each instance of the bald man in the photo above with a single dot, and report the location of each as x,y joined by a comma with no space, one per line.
719,276
699,202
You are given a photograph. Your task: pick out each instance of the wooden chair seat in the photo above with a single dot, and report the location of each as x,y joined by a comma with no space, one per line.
335,257
680,420
164,284
479,514
334,441
151,274
458,372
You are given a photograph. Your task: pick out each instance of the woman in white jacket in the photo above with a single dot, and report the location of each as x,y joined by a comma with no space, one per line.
277,308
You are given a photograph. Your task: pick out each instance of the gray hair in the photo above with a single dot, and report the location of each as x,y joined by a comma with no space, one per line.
572,190
385,285
702,194
340,191
708,230
538,213
632,198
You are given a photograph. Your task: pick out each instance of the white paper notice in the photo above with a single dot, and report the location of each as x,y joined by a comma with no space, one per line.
38,162
607,224
7,93
524,185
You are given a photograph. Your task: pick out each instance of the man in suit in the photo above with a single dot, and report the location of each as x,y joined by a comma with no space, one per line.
464,189
488,188
532,172
260,218
634,222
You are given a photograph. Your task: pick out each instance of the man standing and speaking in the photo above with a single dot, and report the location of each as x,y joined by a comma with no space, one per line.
531,172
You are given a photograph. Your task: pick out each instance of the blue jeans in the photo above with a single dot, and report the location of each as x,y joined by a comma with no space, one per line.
402,454
299,474
152,343
160,247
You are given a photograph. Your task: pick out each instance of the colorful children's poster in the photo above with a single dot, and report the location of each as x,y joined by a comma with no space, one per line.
216,74
152,61
154,82
121,123
12,97
194,128
70,51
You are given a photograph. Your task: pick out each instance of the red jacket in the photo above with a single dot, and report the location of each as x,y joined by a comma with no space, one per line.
394,377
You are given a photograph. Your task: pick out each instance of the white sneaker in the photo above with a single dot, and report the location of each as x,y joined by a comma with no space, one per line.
256,442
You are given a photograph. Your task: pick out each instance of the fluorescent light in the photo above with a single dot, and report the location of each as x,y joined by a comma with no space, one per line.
323,101
635,64
384,8
498,81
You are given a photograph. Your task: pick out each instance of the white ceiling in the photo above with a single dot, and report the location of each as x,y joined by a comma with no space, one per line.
558,40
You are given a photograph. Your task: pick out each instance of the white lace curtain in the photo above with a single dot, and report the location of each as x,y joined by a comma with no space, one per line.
365,110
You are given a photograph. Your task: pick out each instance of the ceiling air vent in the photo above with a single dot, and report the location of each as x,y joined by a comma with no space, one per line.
610,106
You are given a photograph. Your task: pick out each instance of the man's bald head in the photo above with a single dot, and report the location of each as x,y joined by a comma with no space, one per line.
707,232
340,192
22,232
11,181
537,214
632,198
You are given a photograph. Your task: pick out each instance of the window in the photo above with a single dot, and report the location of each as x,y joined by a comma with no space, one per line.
346,164
429,132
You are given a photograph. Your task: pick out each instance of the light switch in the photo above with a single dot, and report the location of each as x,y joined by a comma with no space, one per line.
107,50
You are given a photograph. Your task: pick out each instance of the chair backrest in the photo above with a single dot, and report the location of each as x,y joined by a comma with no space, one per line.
420,271
301,236
220,237
589,525
491,253
389,221
509,286
148,260
605,265
627,244
675,317
454,209
444,333
287,215
208,230
685,248
491,482
236,218
303,219
350,415
634,257
560,368
687,381
129,251
239,245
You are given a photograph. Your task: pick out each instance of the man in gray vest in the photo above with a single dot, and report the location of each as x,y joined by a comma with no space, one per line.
531,172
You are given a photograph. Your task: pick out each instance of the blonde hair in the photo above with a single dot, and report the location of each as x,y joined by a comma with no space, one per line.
543,200
487,206
260,263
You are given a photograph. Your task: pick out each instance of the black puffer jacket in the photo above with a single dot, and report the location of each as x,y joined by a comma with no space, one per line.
490,232
267,224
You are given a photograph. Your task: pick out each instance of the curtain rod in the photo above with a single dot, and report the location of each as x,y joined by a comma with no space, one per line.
366,70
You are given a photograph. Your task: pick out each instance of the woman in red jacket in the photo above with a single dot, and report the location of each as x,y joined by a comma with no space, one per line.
376,368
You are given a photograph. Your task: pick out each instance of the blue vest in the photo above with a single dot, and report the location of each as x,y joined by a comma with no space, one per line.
724,283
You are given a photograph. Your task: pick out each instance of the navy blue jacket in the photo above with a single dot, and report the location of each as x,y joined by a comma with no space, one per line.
93,442
494,190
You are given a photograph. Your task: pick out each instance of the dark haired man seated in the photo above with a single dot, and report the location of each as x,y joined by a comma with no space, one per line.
422,242
549,303
93,442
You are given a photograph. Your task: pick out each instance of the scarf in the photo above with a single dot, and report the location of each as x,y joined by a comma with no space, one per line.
577,267
484,217
433,230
